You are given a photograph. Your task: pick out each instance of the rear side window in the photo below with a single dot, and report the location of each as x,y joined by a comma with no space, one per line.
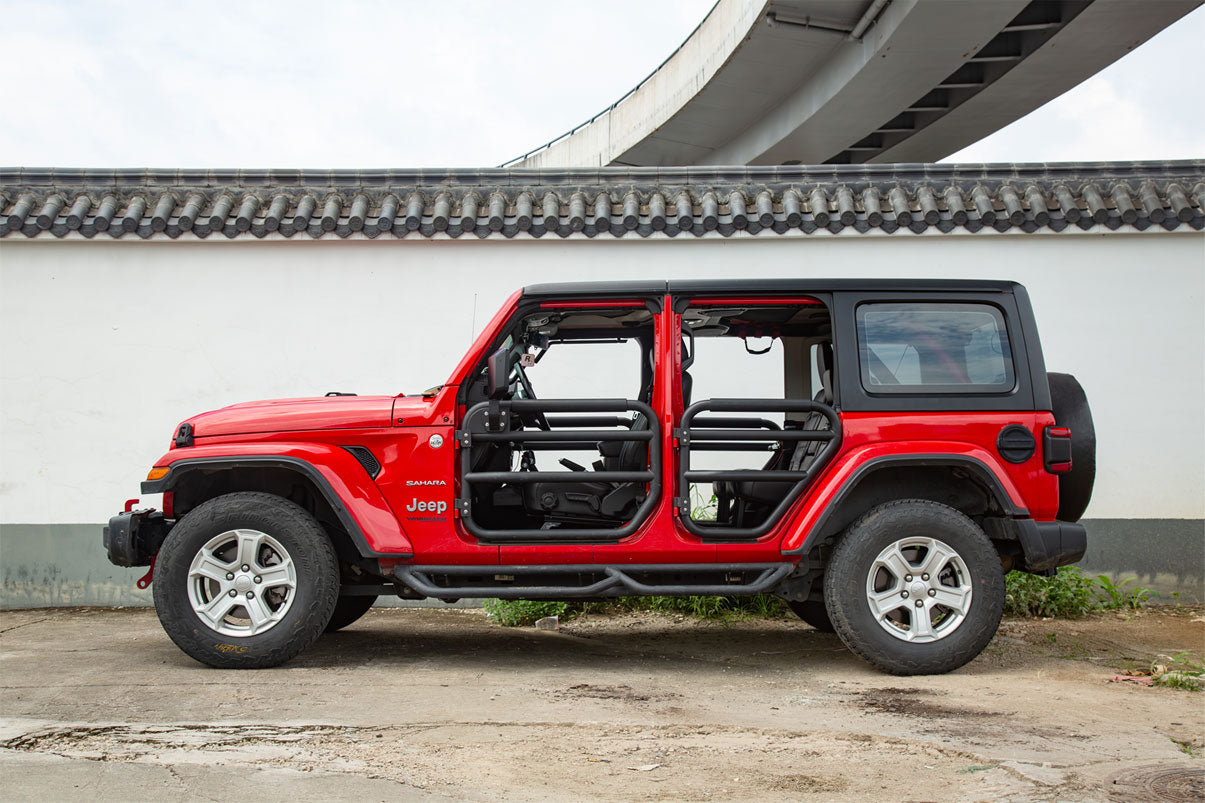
934,348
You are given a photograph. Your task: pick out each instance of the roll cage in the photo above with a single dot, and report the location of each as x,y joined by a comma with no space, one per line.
506,433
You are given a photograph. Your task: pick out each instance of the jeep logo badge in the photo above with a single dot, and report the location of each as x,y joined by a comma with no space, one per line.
425,506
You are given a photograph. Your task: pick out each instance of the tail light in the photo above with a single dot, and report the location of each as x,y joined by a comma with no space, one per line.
1056,447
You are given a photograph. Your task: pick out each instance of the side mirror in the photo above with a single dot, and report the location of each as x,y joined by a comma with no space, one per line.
497,374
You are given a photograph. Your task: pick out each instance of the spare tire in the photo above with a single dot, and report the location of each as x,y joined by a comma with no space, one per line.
1070,407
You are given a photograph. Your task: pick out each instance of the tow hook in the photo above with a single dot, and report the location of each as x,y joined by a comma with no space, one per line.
146,579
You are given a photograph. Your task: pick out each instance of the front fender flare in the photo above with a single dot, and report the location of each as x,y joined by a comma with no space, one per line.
359,505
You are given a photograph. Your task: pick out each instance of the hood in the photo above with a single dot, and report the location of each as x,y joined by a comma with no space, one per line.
292,415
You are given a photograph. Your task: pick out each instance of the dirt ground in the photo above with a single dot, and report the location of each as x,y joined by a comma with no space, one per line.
435,704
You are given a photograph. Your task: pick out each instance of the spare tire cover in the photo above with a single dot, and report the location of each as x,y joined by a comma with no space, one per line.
1070,408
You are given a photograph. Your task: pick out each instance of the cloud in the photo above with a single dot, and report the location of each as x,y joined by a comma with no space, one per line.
418,84
306,84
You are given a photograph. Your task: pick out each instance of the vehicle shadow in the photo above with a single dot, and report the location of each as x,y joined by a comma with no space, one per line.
736,646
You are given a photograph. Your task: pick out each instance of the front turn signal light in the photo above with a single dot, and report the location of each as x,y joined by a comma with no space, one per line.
157,474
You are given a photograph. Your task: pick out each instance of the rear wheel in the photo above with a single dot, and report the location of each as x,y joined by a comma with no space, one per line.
915,587
245,581
348,610
814,613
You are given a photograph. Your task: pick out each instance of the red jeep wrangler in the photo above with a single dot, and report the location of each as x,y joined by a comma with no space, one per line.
876,453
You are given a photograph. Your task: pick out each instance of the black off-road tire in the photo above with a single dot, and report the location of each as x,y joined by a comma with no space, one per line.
348,610
317,573
1071,410
846,576
814,613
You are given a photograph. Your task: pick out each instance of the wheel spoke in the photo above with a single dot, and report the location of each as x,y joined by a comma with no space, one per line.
935,559
895,562
886,602
279,575
248,547
956,599
258,612
210,567
217,609
922,624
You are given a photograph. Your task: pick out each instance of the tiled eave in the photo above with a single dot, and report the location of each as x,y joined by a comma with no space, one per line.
606,202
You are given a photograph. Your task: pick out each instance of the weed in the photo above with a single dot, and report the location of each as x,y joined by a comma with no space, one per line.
1180,680
713,608
1184,744
1069,593
702,509
1179,672
1116,596
975,768
520,612
1075,649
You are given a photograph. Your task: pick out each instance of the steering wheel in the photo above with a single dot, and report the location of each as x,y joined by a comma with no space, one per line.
536,418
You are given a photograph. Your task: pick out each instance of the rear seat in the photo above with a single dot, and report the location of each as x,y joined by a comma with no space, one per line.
795,455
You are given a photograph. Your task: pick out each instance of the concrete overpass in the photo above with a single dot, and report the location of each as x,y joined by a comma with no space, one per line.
851,81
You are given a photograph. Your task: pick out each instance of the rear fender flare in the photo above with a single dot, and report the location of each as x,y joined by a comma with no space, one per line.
360,506
845,479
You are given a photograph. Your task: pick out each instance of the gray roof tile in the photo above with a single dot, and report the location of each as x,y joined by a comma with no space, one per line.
645,202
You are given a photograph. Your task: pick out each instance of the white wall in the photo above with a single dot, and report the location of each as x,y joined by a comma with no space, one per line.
107,345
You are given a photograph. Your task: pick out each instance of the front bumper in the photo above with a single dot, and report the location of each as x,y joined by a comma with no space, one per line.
1049,544
133,538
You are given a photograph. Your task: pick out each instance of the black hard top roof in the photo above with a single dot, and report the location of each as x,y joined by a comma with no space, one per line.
660,287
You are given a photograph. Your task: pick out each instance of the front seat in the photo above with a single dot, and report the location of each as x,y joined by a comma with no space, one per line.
594,499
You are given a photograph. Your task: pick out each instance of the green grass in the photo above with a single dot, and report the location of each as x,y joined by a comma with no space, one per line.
1069,594
713,609
1179,672
523,613
1184,745
1116,596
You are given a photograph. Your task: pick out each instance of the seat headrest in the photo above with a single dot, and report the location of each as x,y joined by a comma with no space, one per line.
825,394
824,368
824,358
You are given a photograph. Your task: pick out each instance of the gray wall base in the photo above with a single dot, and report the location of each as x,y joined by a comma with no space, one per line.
51,565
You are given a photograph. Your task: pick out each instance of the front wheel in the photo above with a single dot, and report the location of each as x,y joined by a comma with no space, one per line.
246,581
915,588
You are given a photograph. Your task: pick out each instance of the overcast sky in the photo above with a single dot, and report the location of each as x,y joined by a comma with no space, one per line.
418,84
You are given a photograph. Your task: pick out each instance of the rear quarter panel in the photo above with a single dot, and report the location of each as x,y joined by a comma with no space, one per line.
869,436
